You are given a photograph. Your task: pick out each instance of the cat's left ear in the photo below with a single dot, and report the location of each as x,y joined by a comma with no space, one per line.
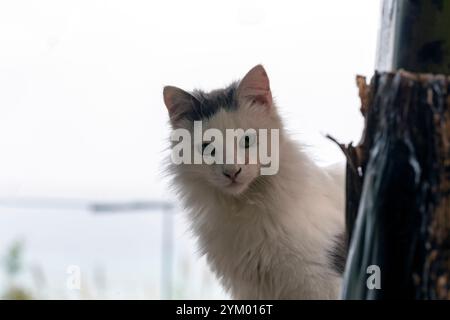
255,87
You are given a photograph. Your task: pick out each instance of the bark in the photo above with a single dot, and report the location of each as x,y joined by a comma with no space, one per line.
398,176
398,187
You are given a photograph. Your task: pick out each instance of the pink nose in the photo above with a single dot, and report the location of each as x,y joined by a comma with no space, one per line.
232,174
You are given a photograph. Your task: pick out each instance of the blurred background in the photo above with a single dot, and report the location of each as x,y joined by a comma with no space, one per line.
85,210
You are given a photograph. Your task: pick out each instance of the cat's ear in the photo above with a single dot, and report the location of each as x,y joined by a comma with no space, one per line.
255,87
178,102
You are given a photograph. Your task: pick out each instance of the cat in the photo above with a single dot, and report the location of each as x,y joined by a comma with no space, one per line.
278,236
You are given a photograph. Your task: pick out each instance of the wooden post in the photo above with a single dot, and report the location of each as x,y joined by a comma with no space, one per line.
398,176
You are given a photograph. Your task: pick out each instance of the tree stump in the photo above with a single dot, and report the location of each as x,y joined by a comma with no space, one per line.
398,189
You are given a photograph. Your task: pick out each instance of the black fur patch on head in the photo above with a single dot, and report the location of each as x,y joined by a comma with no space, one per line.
338,253
206,104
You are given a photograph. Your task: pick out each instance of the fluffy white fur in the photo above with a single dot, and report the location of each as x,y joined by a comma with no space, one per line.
266,237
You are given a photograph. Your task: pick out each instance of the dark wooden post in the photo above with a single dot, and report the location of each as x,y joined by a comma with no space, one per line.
398,176
415,36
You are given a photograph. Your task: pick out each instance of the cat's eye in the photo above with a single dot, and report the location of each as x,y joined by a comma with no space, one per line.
213,151
247,141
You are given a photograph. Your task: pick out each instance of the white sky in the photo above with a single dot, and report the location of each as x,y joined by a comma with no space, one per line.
81,111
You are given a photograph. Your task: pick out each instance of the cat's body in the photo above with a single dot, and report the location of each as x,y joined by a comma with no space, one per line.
266,236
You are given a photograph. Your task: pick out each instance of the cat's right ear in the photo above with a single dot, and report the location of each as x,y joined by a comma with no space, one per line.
255,87
178,102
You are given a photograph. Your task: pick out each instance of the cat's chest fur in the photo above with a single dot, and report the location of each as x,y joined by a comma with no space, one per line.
272,245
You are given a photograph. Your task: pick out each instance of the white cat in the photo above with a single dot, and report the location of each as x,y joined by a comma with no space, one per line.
265,236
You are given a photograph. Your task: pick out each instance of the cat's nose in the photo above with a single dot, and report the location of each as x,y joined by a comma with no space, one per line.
231,173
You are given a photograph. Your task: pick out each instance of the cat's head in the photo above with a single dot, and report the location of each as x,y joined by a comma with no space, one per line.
246,104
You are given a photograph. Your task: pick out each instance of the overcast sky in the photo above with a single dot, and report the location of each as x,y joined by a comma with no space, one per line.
81,111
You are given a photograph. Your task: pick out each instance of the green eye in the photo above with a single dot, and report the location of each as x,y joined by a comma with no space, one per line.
213,151
247,141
